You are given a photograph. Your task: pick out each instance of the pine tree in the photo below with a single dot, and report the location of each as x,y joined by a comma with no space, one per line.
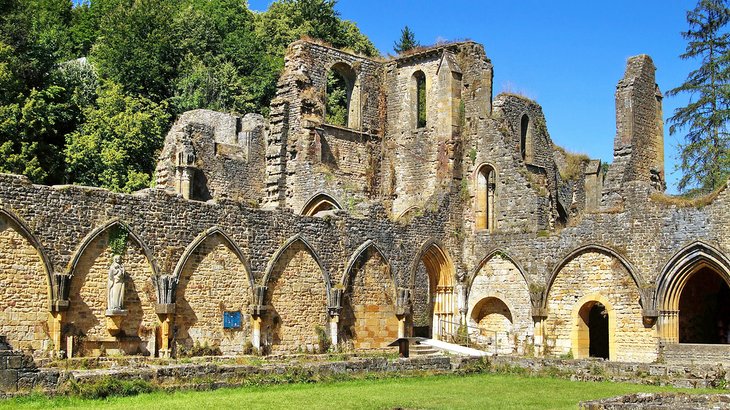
407,41
705,153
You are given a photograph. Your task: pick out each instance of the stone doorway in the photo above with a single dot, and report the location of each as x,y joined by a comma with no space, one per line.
704,309
434,303
598,331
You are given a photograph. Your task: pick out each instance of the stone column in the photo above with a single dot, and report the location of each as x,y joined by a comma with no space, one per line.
334,320
256,332
402,326
669,326
55,327
165,350
538,317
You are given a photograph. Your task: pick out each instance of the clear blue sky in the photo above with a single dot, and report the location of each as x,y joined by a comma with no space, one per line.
567,55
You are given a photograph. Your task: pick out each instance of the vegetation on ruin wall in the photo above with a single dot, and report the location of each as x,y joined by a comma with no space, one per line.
437,392
89,88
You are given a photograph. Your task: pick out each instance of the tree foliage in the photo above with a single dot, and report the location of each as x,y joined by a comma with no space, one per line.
705,153
406,42
101,121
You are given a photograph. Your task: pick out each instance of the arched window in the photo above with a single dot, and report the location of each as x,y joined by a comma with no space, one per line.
320,205
419,98
485,194
342,99
525,139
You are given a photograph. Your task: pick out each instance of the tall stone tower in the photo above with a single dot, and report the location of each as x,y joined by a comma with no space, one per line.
638,149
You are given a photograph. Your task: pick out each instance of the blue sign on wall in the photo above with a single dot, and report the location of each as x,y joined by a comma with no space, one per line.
232,320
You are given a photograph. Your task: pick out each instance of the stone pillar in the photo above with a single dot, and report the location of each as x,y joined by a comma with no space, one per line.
186,176
165,350
256,332
538,318
334,320
402,326
55,322
669,326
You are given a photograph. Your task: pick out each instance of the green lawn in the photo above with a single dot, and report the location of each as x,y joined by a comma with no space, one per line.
483,391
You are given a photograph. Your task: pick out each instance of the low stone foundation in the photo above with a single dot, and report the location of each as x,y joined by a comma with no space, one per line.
655,401
215,372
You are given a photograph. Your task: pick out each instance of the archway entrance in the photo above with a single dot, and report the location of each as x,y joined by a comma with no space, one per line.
704,309
598,331
434,302
592,338
494,319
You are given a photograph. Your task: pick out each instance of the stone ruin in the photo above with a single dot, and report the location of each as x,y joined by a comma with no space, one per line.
428,208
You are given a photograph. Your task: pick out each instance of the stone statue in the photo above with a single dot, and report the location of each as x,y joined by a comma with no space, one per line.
115,287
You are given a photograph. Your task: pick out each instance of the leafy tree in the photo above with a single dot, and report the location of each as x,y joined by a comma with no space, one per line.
705,154
336,105
406,42
115,148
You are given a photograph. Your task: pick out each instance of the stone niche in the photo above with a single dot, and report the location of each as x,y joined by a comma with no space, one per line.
93,332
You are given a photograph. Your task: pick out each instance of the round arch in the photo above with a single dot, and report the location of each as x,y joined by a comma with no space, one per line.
599,249
208,233
485,193
580,329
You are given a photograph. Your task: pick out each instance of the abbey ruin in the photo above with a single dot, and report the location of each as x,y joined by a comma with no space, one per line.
432,209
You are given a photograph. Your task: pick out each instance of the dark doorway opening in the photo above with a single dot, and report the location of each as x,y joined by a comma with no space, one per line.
704,309
598,331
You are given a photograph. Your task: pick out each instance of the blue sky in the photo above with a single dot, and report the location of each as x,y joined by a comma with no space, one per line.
567,55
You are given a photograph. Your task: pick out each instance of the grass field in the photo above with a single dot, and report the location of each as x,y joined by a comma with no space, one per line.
482,391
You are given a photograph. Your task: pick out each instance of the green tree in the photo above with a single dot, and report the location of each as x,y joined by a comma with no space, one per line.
117,146
406,42
705,154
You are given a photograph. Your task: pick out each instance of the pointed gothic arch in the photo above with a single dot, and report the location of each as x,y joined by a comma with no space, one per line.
24,231
485,189
320,202
442,301
695,258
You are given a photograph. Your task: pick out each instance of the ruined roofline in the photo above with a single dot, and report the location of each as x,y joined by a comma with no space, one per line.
504,95
413,54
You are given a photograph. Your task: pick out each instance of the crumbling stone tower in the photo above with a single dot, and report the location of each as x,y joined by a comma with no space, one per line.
639,144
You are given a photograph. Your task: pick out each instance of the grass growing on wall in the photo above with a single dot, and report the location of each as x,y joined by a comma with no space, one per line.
503,391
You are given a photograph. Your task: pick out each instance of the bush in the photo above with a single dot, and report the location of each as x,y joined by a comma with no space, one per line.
109,387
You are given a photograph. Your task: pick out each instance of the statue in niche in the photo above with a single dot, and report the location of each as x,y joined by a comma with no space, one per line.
115,286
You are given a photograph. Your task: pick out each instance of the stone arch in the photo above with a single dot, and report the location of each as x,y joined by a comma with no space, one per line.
343,82
499,276
676,274
91,236
418,96
638,282
318,204
594,273
439,274
211,267
407,213
297,297
368,318
24,315
485,189
583,331
95,331
526,139
493,318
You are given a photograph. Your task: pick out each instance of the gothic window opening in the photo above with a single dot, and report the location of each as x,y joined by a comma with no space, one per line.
485,198
419,83
342,97
526,139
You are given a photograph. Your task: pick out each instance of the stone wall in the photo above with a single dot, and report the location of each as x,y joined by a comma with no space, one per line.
499,284
24,284
213,281
598,277
298,301
368,315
